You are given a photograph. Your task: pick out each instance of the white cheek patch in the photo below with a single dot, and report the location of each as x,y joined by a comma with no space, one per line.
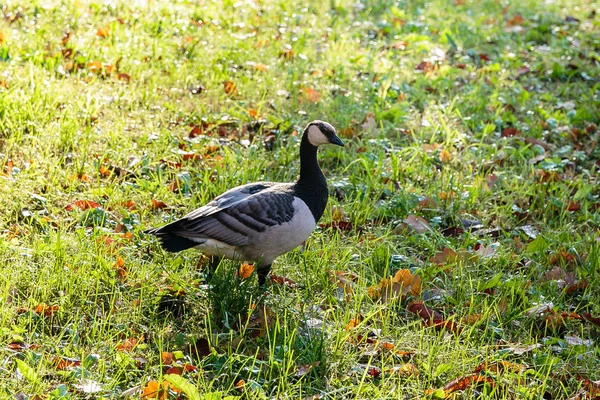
316,137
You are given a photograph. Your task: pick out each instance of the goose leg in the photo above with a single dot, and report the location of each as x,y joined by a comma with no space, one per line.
262,271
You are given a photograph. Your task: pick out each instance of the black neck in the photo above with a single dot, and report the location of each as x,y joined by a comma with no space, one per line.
310,172
311,186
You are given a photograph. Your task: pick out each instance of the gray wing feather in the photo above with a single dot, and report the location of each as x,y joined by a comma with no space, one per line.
239,219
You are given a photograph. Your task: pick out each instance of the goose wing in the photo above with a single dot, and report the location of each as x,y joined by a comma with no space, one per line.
236,218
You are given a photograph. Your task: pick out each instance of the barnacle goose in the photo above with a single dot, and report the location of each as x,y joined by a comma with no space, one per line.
258,222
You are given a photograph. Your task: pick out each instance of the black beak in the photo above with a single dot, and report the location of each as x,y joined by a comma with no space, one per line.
336,140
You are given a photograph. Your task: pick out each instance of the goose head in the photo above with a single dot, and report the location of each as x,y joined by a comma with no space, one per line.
320,132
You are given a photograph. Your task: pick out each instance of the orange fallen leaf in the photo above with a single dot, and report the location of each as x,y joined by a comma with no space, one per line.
400,285
229,87
103,32
245,271
62,363
45,310
156,390
353,323
157,204
167,357
82,205
311,94
239,385
261,67
445,156
127,345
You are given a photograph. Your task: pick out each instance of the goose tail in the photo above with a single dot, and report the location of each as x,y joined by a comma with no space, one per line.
170,240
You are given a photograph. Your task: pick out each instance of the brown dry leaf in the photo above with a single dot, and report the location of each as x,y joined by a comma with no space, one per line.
465,382
127,345
431,317
157,204
197,130
510,131
418,224
425,66
445,256
230,88
427,202
103,32
369,123
445,156
311,94
45,310
82,205
304,369
245,271
282,280
124,77
517,19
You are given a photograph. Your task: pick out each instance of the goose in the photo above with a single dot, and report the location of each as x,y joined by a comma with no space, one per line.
258,222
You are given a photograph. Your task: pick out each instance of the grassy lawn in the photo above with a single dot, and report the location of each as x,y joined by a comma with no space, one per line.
459,252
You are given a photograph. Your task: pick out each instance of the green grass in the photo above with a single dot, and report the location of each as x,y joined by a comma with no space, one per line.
426,139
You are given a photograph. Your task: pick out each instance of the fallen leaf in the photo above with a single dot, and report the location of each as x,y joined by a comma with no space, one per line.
62,363
304,369
156,390
167,357
45,310
418,224
124,77
239,385
510,131
403,283
465,382
445,256
431,317
353,323
445,156
517,19
311,94
82,205
157,204
127,345
245,271
230,88
281,280
407,369
103,32
499,367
